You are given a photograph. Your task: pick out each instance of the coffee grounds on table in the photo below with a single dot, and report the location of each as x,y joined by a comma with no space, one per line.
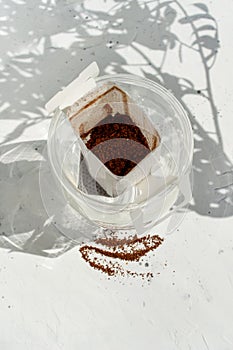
118,143
111,251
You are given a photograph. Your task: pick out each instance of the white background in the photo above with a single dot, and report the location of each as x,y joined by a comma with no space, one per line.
49,297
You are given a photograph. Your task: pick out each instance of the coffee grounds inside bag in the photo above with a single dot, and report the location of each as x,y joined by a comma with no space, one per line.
118,143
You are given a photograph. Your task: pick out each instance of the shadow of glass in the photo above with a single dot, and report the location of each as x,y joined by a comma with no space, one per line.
24,223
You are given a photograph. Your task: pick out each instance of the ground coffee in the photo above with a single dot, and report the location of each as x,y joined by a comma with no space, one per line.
106,254
118,143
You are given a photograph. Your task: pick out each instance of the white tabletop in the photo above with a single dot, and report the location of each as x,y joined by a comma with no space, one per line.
49,297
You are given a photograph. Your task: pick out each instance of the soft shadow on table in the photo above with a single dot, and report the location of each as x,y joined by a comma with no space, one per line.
63,38
24,223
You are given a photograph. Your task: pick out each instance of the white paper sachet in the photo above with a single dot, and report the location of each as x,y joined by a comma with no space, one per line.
91,110
75,90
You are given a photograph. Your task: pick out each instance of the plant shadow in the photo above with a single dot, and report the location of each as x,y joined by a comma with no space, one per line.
44,46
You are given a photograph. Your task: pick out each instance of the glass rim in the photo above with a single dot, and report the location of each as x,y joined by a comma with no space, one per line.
143,82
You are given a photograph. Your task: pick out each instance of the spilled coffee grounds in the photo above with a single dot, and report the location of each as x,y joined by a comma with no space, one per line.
118,143
108,253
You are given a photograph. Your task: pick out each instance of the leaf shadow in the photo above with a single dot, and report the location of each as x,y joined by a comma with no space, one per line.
46,44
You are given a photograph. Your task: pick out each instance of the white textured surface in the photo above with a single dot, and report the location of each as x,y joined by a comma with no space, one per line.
49,298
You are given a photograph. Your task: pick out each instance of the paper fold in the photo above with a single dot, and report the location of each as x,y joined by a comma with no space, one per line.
75,90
